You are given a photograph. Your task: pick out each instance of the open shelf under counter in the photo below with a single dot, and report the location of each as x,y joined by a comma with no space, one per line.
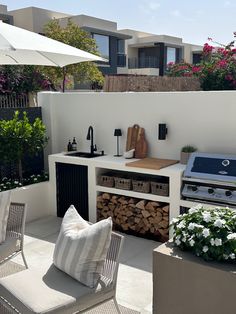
146,196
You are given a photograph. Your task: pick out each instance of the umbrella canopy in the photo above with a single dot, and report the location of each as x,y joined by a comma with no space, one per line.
19,46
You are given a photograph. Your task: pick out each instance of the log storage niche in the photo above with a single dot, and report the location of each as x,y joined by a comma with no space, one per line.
148,219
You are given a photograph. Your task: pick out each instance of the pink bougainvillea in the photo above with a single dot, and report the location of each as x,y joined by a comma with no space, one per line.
207,48
196,69
222,63
216,71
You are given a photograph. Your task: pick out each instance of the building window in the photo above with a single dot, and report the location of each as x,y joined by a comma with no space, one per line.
197,58
102,42
171,55
120,46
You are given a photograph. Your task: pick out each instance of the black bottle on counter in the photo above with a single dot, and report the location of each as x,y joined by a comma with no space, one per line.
74,144
69,146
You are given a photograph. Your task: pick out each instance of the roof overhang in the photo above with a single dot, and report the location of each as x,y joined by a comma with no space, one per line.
106,32
197,51
154,44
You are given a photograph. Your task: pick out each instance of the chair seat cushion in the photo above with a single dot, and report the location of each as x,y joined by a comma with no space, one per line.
8,247
32,291
4,213
81,248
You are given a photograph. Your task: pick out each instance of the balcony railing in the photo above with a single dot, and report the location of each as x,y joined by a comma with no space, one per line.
121,60
144,62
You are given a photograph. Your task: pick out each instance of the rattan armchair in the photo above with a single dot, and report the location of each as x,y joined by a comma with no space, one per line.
13,245
54,292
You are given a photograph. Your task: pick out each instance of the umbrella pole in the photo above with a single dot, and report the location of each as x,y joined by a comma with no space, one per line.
64,79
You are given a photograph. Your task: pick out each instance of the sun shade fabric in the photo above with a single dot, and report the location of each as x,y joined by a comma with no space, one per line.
81,248
20,46
5,198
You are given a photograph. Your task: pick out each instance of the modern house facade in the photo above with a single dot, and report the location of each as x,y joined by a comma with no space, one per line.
149,54
110,42
128,51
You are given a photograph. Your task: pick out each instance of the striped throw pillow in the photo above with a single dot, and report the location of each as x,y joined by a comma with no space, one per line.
4,213
81,248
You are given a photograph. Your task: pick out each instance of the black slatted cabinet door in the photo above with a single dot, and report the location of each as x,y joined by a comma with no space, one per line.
72,188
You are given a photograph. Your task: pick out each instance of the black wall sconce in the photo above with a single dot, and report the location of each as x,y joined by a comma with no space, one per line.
162,131
117,133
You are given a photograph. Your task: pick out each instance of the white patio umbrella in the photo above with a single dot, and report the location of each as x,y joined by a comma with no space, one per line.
19,46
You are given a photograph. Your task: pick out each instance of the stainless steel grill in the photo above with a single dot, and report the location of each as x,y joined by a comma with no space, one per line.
210,178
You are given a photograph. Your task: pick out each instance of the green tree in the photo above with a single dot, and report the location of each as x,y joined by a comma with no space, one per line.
74,36
18,136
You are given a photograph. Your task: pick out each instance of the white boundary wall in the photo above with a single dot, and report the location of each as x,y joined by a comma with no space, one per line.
38,199
204,119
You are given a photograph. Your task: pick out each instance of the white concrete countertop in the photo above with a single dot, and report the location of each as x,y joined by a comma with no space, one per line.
112,162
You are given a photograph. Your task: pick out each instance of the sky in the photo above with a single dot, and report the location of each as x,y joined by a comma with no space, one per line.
192,20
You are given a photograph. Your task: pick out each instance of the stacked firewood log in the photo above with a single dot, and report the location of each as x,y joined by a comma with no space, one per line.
132,214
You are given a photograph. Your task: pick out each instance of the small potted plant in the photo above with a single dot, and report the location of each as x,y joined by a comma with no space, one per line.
186,151
208,233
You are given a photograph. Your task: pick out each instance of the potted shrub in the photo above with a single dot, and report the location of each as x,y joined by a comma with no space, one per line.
200,263
186,151
18,136
208,233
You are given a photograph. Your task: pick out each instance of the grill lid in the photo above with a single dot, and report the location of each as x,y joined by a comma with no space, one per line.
212,167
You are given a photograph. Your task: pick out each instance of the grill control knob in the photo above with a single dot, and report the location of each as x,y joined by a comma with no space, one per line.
194,188
210,191
228,193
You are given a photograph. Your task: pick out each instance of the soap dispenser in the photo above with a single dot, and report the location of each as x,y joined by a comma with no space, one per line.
69,146
74,145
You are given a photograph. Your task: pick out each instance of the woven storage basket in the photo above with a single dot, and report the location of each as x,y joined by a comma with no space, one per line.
106,180
122,183
160,188
141,186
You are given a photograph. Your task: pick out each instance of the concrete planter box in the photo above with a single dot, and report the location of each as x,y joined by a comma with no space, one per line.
184,157
186,284
36,196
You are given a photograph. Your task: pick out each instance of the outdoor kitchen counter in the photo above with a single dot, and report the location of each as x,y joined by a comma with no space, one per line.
102,164
112,162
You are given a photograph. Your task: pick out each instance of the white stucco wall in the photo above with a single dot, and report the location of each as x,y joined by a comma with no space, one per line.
203,119
189,49
90,21
38,200
144,71
34,19
3,9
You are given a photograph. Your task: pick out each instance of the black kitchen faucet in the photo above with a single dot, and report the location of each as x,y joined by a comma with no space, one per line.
89,137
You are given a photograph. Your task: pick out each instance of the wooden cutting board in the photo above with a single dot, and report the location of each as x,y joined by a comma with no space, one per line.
133,134
152,163
141,146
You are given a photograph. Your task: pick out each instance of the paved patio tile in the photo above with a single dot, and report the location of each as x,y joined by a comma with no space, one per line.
44,227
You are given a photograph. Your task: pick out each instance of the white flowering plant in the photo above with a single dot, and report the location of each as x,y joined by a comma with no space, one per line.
8,184
209,233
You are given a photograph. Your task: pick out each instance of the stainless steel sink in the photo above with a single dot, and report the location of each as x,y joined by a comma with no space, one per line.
84,154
